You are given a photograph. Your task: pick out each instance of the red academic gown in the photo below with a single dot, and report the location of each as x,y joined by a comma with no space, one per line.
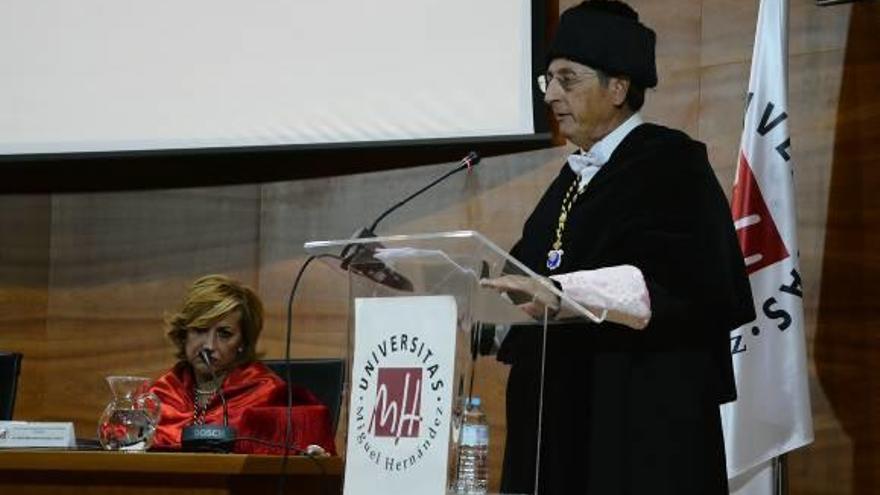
256,400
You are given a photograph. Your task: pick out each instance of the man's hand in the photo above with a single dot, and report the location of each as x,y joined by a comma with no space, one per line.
531,295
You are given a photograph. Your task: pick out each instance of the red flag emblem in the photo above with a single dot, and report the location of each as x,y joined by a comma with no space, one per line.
758,236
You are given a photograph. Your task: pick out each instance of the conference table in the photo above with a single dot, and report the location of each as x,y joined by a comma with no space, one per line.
60,472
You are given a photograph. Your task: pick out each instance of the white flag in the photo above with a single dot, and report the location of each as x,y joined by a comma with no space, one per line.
772,413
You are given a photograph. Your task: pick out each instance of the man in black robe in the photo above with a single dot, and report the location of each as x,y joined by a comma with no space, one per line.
636,227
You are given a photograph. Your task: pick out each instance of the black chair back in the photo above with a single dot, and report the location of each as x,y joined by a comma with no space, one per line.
324,377
10,367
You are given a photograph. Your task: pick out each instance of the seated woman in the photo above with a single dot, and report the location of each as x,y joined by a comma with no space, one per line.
221,319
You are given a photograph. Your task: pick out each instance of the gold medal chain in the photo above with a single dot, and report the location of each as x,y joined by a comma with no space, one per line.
567,202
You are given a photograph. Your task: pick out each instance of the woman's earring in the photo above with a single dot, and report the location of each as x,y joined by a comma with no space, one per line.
240,350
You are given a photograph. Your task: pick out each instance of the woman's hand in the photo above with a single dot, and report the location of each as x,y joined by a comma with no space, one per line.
531,295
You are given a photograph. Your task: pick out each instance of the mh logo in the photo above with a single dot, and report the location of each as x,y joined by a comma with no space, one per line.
397,411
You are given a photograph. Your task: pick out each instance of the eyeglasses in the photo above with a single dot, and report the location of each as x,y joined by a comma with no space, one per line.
567,80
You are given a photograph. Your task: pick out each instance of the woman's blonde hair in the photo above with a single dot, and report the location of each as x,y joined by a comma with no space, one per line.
209,300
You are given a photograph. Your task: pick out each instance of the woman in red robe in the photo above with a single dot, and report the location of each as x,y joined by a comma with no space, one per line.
220,321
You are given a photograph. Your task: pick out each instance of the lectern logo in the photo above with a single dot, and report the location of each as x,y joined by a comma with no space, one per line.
399,403
397,410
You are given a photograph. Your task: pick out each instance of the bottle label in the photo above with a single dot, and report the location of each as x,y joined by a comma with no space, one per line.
475,435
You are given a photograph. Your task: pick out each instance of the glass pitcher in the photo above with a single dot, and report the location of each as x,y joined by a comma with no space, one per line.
129,421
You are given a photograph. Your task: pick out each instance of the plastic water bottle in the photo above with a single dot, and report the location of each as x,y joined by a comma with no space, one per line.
472,475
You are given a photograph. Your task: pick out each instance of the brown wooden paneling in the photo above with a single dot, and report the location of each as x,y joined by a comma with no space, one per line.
25,223
729,29
847,341
722,101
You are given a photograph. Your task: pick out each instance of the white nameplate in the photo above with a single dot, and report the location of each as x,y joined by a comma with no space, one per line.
398,429
23,434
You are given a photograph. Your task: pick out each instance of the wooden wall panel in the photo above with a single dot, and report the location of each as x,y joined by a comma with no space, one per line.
25,222
728,31
722,98
675,102
847,343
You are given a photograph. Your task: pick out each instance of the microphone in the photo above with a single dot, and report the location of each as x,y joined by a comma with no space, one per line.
468,162
364,254
210,438
206,357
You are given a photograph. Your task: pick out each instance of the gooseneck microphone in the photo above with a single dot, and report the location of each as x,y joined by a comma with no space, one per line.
207,360
466,163
361,257
209,438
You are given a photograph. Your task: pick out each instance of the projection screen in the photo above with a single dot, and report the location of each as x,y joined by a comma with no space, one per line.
121,75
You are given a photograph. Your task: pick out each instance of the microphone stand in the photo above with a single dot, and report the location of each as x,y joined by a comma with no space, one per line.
210,438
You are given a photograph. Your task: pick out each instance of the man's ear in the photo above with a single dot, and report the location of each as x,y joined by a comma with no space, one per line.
619,87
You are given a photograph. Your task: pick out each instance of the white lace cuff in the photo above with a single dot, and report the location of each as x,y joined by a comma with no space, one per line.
619,290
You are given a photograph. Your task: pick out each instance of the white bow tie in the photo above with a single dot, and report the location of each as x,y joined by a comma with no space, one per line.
586,164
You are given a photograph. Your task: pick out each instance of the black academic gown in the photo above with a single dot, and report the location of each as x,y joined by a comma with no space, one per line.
633,411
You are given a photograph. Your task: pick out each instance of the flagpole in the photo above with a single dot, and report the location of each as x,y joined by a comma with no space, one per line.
780,474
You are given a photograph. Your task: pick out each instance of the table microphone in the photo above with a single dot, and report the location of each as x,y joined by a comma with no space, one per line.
210,438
